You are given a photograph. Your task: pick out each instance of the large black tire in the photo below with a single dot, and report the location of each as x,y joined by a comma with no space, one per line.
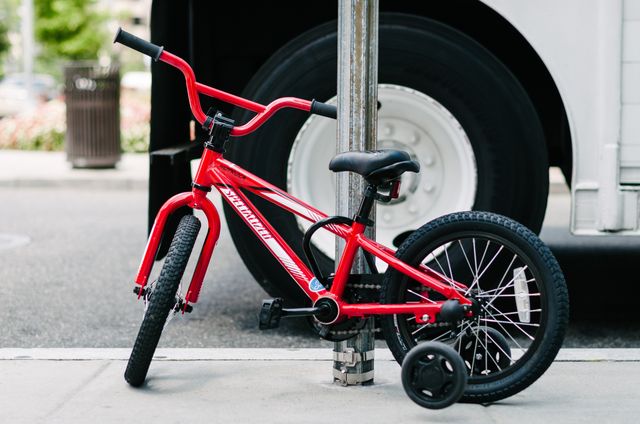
432,58
162,300
454,245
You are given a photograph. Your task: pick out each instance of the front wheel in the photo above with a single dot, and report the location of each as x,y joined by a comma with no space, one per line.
519,293
161,300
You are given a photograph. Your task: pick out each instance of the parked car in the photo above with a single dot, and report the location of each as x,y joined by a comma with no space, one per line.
15,96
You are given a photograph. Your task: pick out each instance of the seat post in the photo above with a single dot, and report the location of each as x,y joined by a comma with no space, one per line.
368,199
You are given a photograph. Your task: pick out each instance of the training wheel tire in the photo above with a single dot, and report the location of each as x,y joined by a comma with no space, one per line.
434,375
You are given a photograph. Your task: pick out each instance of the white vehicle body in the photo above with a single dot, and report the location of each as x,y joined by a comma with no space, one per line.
592,50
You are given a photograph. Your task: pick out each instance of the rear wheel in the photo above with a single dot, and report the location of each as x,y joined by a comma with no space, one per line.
519,293
162,300
445,99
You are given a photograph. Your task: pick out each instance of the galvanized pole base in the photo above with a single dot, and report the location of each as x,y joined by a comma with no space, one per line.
353,358
357,119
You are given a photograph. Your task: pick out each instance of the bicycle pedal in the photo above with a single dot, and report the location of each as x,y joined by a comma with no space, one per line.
270,313
137,290
180,307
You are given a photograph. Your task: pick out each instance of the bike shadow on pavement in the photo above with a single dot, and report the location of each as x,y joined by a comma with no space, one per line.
172,377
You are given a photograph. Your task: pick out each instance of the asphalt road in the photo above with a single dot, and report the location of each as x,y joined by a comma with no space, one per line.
68,258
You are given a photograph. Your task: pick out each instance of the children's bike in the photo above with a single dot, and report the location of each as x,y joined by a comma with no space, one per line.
475,283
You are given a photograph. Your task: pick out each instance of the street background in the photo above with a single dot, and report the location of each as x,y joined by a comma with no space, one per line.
71,242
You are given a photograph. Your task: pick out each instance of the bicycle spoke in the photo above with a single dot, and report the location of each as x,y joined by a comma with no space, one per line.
508,295
485,270
446,254
475,349
490,262
526,324
508,285
441,336
441,269
486,349
475,258
467,259
516,313
444,273
421,296
511,337
500,313
484,254
509,322
486,353
510,281
498,346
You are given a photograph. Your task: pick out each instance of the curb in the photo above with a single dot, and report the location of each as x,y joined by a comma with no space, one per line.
266,354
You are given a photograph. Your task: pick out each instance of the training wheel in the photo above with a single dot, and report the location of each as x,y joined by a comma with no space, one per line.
434,375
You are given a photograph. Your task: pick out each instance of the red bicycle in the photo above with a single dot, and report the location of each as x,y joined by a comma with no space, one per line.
478,282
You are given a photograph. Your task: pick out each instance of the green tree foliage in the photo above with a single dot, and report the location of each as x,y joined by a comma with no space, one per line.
69,29
6,9
4,44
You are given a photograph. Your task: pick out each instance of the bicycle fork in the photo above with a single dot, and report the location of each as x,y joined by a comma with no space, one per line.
196,199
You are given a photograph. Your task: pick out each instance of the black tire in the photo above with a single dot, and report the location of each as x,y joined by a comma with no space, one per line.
450,245
161,300
433,375
437,60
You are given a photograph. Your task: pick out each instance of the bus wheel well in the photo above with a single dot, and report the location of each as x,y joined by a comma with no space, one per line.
496,34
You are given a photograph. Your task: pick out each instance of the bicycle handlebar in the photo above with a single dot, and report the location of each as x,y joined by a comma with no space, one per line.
136,43
319,108
263,113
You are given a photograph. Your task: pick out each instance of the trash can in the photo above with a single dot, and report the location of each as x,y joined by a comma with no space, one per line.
92,96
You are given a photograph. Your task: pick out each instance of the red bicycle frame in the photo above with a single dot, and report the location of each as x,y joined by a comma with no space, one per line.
232,182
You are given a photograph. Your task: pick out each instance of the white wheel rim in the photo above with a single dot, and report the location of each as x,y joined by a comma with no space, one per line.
408,120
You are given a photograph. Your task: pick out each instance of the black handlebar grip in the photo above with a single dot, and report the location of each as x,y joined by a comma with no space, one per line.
319,108
136,43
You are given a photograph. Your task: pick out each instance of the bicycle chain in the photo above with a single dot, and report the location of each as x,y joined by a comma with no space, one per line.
377,287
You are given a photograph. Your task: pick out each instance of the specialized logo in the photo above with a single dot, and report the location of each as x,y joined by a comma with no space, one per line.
315,285
246,213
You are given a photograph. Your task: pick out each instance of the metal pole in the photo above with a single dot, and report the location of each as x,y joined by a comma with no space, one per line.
357,127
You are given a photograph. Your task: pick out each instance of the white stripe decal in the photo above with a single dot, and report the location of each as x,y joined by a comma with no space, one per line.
300,209
272,244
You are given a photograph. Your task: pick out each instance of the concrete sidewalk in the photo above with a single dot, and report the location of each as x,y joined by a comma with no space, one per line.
50,169
291,386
